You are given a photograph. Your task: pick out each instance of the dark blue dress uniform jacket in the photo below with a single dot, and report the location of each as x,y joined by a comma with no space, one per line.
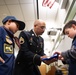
70,58
72,63
6,51
28,58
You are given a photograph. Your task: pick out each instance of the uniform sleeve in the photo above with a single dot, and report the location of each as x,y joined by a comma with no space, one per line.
26,54
69,54
1,44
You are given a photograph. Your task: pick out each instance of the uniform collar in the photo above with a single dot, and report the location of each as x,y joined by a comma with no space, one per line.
9,32
35,33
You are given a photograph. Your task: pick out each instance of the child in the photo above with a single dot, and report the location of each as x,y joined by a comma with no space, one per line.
10,26
69,56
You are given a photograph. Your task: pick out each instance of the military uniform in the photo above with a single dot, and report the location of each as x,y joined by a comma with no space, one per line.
6,51
29,54
70,58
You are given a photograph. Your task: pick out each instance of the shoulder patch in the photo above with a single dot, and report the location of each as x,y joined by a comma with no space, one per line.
21,40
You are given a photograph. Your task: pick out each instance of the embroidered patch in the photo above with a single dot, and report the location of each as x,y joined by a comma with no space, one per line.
21,40
8,48
8,40
7,36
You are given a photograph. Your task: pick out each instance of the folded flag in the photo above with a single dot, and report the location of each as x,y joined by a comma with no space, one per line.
50,58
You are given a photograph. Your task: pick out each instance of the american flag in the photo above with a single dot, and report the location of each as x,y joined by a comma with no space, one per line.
48,3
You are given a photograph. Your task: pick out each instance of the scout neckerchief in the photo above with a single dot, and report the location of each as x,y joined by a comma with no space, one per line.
17,41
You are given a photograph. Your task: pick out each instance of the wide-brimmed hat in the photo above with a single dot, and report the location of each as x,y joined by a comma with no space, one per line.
21,23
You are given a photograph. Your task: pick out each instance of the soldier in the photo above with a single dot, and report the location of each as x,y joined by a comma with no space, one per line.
31,52
10,26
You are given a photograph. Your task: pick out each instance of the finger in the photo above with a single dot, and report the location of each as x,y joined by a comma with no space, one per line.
62,58
57,53
2,60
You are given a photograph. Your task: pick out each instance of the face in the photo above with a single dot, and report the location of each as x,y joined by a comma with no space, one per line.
40,28
14,27
70,32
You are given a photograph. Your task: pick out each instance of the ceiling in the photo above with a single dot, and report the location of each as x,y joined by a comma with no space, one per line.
26,10
22,9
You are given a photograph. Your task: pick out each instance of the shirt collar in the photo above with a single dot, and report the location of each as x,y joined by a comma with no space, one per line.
35,33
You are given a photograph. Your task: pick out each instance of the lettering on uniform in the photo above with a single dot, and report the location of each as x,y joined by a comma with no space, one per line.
8,48
21,40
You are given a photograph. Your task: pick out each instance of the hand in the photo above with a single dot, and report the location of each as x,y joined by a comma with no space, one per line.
59,53
1,60
50,61
43,57
59,56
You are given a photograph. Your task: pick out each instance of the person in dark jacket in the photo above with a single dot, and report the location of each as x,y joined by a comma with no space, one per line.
10,26
69,56
31,52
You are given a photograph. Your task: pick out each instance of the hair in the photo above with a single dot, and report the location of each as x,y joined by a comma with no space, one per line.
68,25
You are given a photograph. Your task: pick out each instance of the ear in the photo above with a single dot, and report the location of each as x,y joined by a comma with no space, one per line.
35,25
74,26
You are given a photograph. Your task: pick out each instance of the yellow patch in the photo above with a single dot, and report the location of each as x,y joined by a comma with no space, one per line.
21,40
8,48
8,40
7,37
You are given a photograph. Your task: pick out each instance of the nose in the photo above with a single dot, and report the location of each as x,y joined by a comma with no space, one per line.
44,29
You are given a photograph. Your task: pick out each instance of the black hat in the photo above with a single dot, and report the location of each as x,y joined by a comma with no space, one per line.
21,23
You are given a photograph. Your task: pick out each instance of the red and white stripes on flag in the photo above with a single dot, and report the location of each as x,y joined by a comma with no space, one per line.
48,3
